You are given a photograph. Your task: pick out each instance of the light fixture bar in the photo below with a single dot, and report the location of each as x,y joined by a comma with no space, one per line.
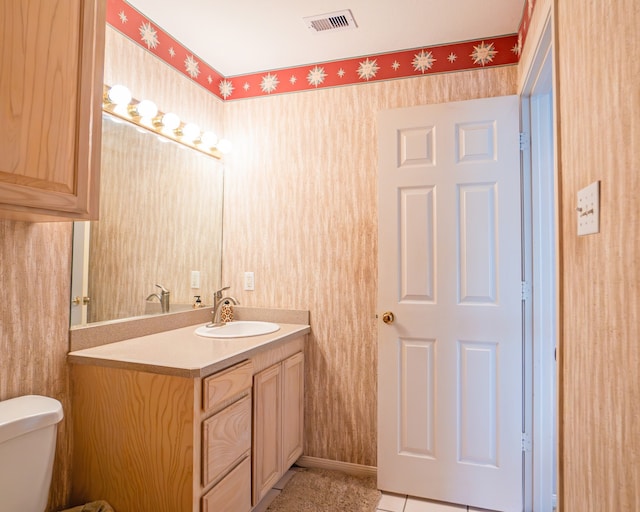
146,115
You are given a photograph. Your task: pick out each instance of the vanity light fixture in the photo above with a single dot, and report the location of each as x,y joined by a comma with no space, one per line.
118,101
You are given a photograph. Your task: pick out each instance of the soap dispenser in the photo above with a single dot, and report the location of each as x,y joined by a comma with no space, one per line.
226,313
198,303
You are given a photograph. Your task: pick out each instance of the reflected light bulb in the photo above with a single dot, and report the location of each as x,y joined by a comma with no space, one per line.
209,139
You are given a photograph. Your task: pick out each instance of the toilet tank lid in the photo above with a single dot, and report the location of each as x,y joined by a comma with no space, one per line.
24,414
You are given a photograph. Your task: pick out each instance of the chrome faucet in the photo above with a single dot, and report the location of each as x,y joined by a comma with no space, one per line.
163,297
218,302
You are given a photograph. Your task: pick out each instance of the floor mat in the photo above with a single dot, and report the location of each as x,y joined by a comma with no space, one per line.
318,490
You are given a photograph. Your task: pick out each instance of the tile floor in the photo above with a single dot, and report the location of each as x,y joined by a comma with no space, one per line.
399,503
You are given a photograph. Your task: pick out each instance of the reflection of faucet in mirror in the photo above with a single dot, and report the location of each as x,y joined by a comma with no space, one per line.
218,302
163,297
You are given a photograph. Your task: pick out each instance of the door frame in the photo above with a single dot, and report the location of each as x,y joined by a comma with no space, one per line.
540,257
80,273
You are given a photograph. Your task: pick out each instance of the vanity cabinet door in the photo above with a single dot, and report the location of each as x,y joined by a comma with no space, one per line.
278,416
267,430
51,73
292,409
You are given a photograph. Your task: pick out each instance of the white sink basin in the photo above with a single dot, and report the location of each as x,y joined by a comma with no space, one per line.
238,329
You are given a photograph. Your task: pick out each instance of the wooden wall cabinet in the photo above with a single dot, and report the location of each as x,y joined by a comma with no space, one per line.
51,73
161,443
278,422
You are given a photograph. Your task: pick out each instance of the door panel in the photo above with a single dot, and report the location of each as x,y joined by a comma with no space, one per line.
478,397
417,244
478,230
450,365
417,411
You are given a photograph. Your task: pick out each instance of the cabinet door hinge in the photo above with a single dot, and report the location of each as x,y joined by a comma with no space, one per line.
525,290
524,141
525,442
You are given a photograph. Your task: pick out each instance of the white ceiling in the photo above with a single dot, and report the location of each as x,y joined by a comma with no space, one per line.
247,36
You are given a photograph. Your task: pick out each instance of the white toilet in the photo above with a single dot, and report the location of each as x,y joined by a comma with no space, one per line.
28,426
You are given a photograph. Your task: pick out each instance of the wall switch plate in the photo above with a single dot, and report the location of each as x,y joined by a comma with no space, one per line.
249,281
195,279
588,209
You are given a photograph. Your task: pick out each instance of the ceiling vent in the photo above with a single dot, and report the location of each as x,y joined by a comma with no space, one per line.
333,21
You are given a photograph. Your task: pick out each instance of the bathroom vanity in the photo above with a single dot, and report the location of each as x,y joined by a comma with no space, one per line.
180,423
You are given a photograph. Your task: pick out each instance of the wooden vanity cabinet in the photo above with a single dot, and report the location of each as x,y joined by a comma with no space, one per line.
278,421
152,443
51,74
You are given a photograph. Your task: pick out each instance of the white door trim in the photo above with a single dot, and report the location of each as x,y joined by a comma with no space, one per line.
540,257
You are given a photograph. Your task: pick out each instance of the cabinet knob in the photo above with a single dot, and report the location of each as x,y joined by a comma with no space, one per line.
78,301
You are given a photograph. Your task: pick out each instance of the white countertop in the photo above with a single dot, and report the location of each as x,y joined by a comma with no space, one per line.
182,352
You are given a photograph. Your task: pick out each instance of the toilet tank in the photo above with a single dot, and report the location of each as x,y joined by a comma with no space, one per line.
28,426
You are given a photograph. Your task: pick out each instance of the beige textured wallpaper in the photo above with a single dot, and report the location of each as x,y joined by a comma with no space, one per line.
35,263
300,212
599,108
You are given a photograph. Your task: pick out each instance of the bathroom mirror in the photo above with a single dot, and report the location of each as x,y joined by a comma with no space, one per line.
160,223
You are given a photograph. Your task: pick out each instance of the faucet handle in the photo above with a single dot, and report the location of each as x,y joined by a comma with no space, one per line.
218,293
162,288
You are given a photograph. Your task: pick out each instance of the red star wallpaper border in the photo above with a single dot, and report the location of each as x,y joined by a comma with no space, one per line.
446,58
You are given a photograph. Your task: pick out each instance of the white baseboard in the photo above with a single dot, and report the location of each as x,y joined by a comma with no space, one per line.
345,467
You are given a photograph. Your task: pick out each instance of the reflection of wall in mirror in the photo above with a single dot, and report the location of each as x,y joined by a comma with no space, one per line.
160,218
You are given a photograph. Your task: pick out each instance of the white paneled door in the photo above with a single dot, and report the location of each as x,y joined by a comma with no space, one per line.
450,355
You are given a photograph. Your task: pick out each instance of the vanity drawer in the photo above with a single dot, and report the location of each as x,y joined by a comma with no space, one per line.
226,438
224,385
233,492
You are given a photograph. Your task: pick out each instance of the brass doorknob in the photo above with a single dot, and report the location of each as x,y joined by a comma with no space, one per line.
388,317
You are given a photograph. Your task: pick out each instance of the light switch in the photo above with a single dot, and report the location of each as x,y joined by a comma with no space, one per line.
588,209
195,279
249,281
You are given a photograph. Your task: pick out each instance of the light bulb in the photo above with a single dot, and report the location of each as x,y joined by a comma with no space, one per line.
209,139
190,131
119,95
170,121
